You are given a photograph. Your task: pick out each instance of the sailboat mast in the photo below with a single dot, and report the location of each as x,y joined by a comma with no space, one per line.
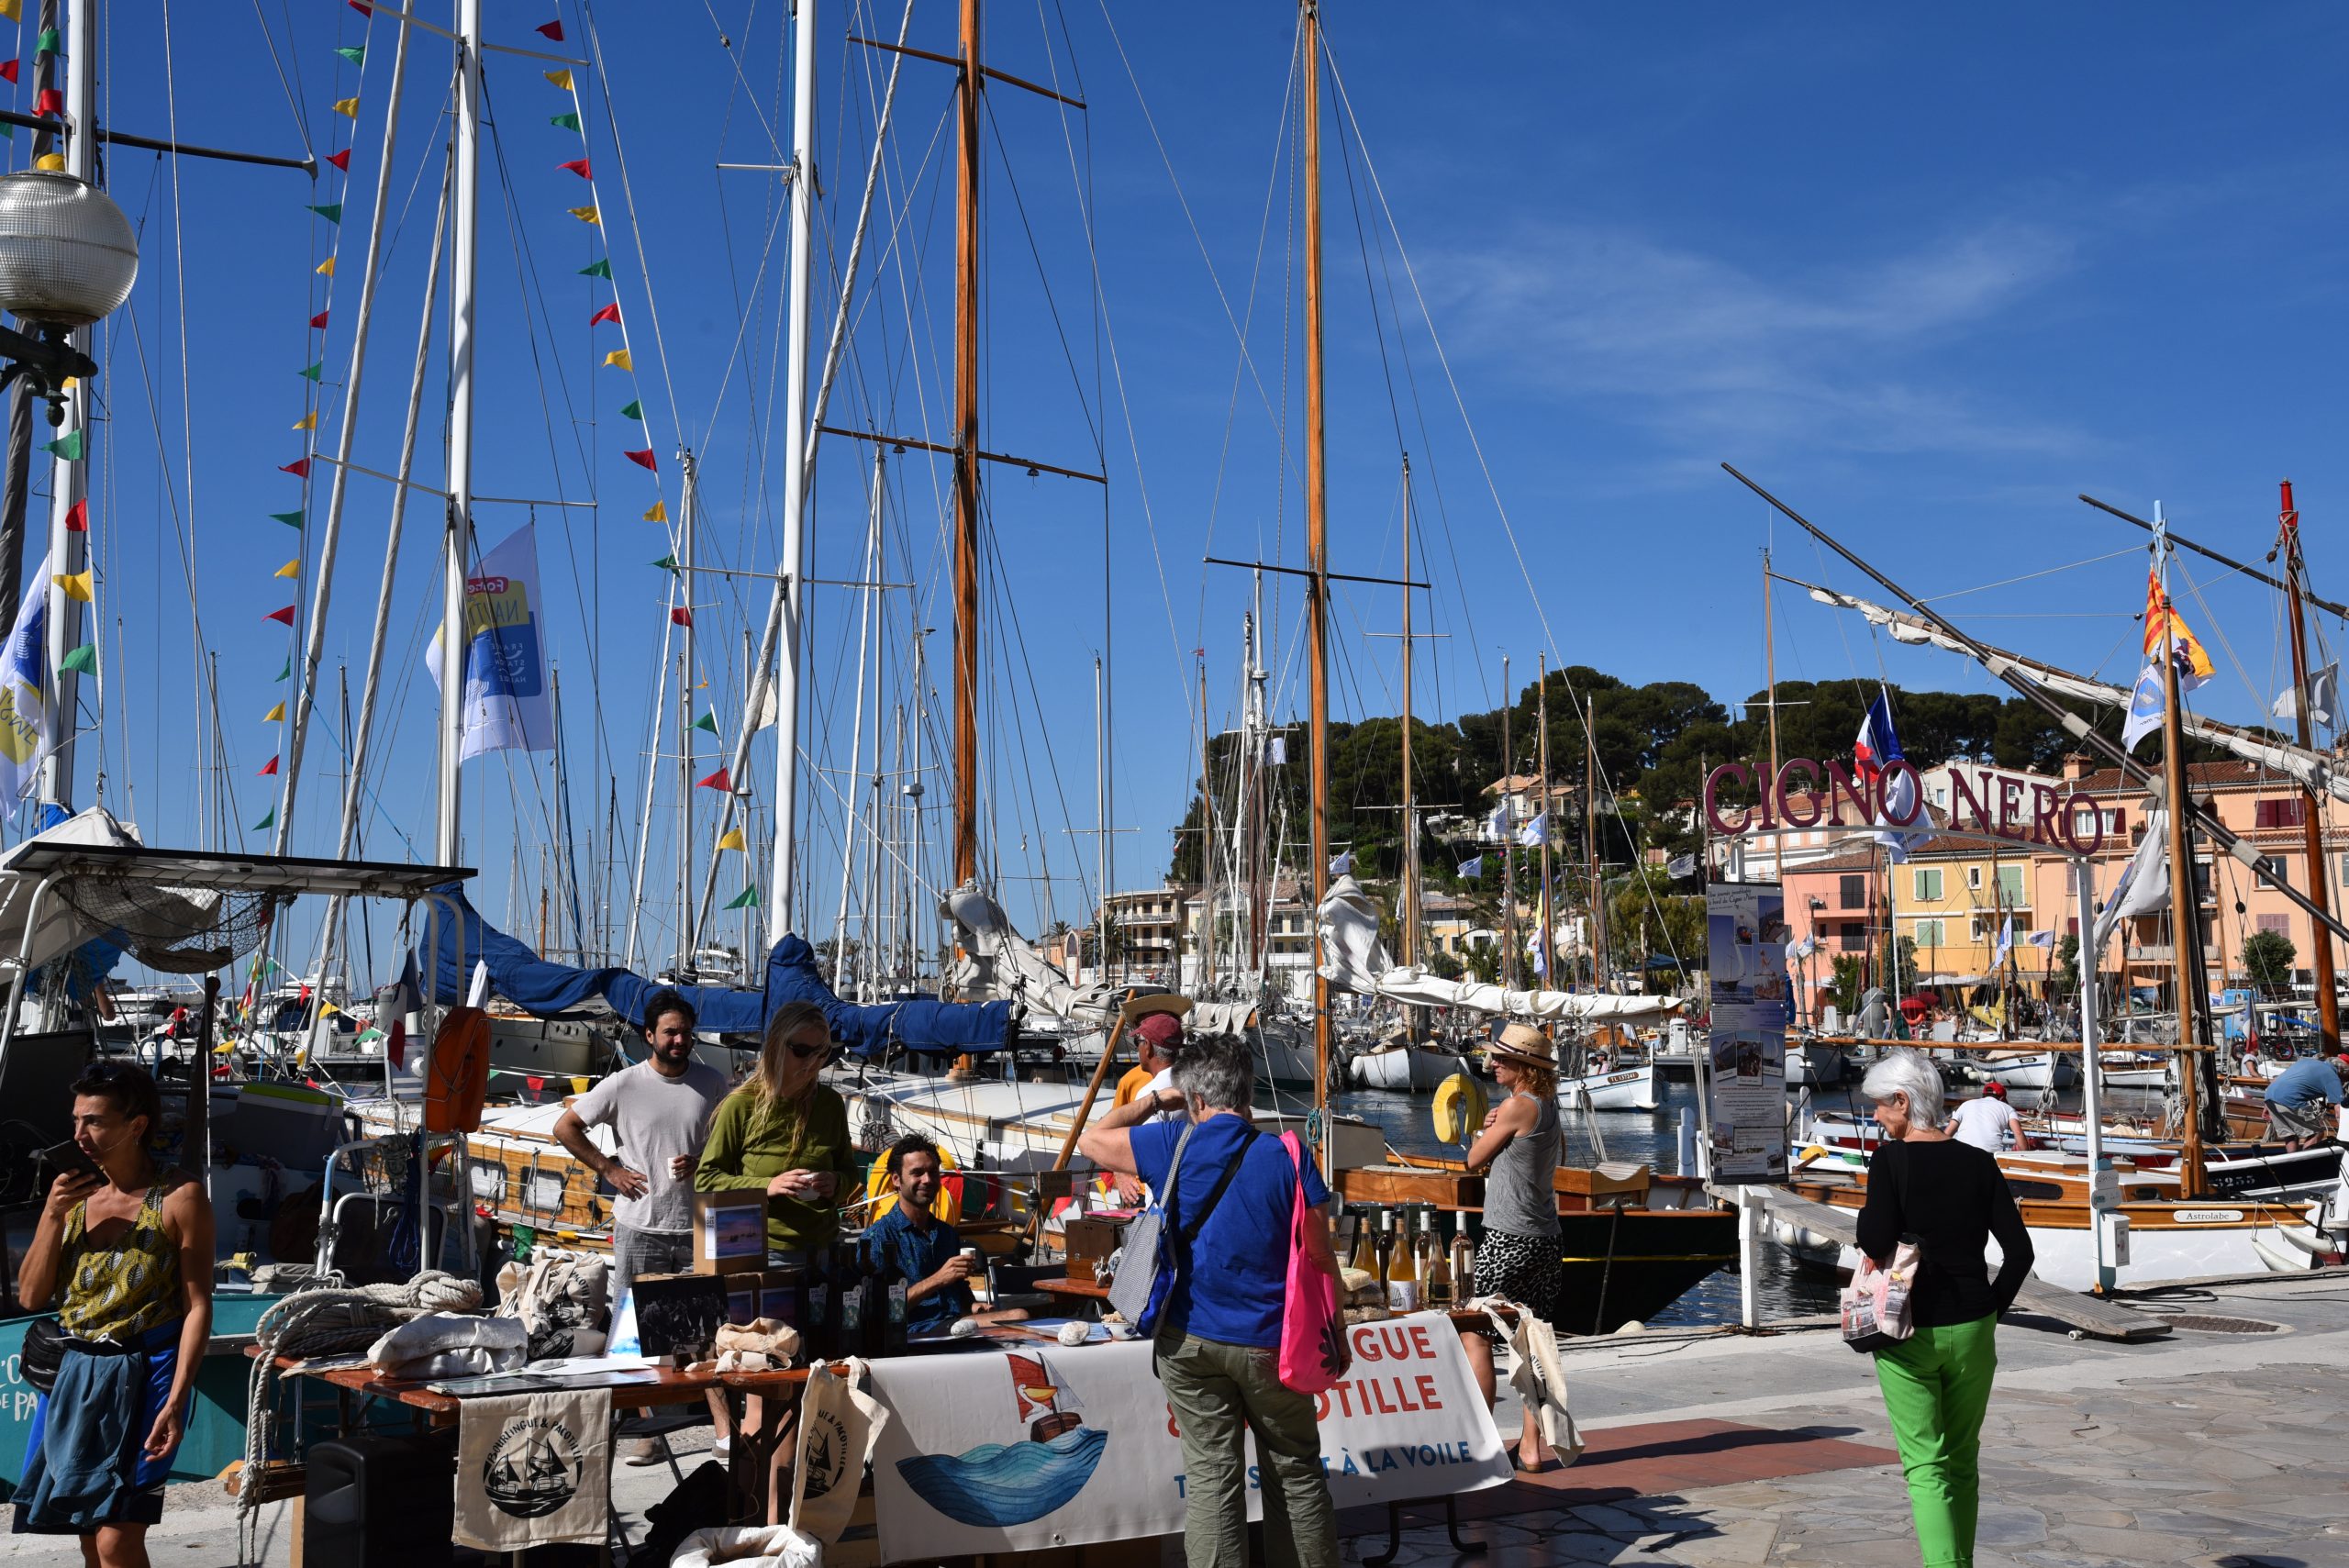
1411,910
1547,936
1508,839
796,289
1590,844
1316,529
465,224
1203,976
1101,812
687,930
967,458
69,480
1770,679
2185,935
2328,1004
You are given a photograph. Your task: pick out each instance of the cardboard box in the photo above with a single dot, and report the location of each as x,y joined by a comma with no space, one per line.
730,1231
782,1295
1092,1237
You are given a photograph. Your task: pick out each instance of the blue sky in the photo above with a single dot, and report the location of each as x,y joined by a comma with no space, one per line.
1927,276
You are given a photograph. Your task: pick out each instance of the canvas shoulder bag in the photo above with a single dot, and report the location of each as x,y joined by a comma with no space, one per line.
1874,1307
1134,1286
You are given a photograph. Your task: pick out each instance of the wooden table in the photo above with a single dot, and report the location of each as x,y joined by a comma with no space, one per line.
1077,1291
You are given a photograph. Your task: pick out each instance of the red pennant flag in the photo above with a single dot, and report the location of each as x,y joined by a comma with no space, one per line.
284,617
269,771
51,103
642,460
537,1082
340,160
299,468
579,167
715,781
318,320
363,8
609,313
680,616
7,69
77,516
552,29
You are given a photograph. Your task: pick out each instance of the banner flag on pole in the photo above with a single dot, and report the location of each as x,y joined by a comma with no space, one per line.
347,108
602,269
584,214
28,729
326,268
330,211
286,673
314,373
2146,709
299,468
1472,868
669,561
567,120
505,701
1874,752
340,160
747,899
317,322
554,30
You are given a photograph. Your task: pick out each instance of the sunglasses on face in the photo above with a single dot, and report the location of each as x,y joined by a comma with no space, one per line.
801,1050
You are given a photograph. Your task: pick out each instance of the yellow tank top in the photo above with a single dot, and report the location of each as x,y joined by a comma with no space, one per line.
122,1291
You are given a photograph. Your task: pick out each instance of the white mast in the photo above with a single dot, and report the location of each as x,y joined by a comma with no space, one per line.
864,656
794,469
688,932
68,480
456,546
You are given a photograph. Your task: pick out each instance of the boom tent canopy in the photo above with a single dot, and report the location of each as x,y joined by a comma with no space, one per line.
543,988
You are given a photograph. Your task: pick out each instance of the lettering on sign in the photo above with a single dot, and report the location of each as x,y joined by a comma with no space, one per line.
2208,1216
1807,794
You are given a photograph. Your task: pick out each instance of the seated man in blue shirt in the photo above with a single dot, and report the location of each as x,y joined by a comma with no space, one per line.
2302,1100
922,1248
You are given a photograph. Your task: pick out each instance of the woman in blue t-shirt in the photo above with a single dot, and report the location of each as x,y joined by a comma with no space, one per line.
1220,1333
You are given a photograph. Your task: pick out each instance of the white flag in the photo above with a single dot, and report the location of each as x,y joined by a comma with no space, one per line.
1529,837
1497,825
2006,942
2143,887
2144,709
2325,699
27,728
1278,755
1804,947
505,667
1680,866
1343,865
2039,939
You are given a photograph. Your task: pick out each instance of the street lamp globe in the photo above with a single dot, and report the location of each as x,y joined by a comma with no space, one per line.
67,254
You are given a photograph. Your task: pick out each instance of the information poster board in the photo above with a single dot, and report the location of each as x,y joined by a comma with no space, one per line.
1745,952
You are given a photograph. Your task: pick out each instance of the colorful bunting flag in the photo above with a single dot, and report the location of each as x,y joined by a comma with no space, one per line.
47,42
578,166
621,358
266,823
584,214
84,659
290,569
347,108
77,516
659,513
560,78
77,585
286,673
363,8
715,781
681,616
567,120
643,459
707,721
291,519
8,67
318,321
12,10
747,899
667,564
307,422
50,103
284,617
67,446
732,839
269,772
609,313
340,160
314,373
551,30
602,269
278,713
632,409
330,211
354,53
326,268
299,468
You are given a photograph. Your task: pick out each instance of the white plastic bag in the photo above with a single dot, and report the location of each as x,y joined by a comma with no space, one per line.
748,1546
1876,1303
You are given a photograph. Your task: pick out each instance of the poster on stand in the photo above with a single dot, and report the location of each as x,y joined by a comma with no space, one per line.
1745,953
1020,1450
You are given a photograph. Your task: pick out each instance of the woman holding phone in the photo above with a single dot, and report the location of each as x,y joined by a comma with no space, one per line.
783,1131
126,1255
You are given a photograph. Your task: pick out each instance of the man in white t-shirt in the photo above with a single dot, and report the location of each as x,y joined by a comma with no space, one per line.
1989,1122
1157,1039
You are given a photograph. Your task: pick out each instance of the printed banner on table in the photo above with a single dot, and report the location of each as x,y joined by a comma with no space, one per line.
505,669
1015,1451
1745,951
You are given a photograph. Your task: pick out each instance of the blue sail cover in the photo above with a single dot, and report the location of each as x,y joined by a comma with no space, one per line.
543,989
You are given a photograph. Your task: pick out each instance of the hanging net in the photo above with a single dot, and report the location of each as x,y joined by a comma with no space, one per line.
180,930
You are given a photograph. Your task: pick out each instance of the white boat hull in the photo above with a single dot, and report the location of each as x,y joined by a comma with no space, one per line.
1817,1065
2067,1257
2052,1071
1625,1089
1403,1068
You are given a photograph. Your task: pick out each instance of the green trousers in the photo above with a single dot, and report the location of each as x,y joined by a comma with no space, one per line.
1936,1386
1218,1391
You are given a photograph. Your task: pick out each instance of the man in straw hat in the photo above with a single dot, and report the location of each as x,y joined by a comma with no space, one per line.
1517,1150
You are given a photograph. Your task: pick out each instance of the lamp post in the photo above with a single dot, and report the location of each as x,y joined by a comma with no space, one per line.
67,261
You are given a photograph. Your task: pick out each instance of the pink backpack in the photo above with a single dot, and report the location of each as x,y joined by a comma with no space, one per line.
1314,1352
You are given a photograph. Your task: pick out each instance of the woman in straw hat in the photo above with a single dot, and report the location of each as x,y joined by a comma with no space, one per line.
1517,1258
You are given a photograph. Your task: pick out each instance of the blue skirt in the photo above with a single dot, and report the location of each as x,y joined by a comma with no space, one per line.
86,1460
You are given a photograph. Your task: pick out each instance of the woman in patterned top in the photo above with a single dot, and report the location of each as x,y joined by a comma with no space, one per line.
127,1260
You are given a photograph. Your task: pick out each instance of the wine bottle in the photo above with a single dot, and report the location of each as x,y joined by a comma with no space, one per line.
1386,1246
1366,1253
1436,1268
1403,1271
1463,1264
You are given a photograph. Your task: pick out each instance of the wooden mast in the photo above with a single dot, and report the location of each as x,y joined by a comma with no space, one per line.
1549,915
967,458
1597,928
2184,932
2328,1006
1317,521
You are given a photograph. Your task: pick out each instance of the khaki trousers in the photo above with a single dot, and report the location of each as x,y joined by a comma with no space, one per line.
1219,1393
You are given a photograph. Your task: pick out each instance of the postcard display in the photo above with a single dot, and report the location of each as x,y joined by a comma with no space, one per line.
1745,951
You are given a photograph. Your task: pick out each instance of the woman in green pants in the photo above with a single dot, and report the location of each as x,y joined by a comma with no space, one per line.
1948,1198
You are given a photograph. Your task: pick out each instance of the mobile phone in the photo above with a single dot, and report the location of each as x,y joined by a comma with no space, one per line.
68,1157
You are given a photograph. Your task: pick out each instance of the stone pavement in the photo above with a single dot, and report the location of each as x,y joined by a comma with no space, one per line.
2215,1449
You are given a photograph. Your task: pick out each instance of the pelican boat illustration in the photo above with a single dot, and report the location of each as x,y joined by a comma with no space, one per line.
1015,1483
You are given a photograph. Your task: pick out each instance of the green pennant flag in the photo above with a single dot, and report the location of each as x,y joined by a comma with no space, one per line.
568,120
48,41
267,822
330,211
67,446
316,372
602,269
354,53
7,132
84,659
291,519
288,672
749,900
667,564
707,721
633,410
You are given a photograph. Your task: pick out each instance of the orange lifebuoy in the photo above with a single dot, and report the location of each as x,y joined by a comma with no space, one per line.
457,1080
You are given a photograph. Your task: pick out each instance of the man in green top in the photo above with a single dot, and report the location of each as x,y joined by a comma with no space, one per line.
784,1133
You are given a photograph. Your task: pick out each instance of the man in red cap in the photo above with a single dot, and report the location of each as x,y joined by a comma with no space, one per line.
1989,1122
1157,1039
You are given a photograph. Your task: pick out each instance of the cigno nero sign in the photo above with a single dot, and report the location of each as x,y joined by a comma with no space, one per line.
1807,793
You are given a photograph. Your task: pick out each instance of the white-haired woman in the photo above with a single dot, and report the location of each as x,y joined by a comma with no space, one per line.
1949,1198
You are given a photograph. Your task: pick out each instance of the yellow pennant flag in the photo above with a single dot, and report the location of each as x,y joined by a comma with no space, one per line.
75,583
561,79
290,569
584,214
326,268
69,382
659,513
12,9
274,715
732,840
308,421
619,357
347,108
51,163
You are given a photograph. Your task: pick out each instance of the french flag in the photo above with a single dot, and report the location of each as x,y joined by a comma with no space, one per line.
1873,755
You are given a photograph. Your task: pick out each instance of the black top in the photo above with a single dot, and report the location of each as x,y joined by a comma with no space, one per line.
1952,1197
